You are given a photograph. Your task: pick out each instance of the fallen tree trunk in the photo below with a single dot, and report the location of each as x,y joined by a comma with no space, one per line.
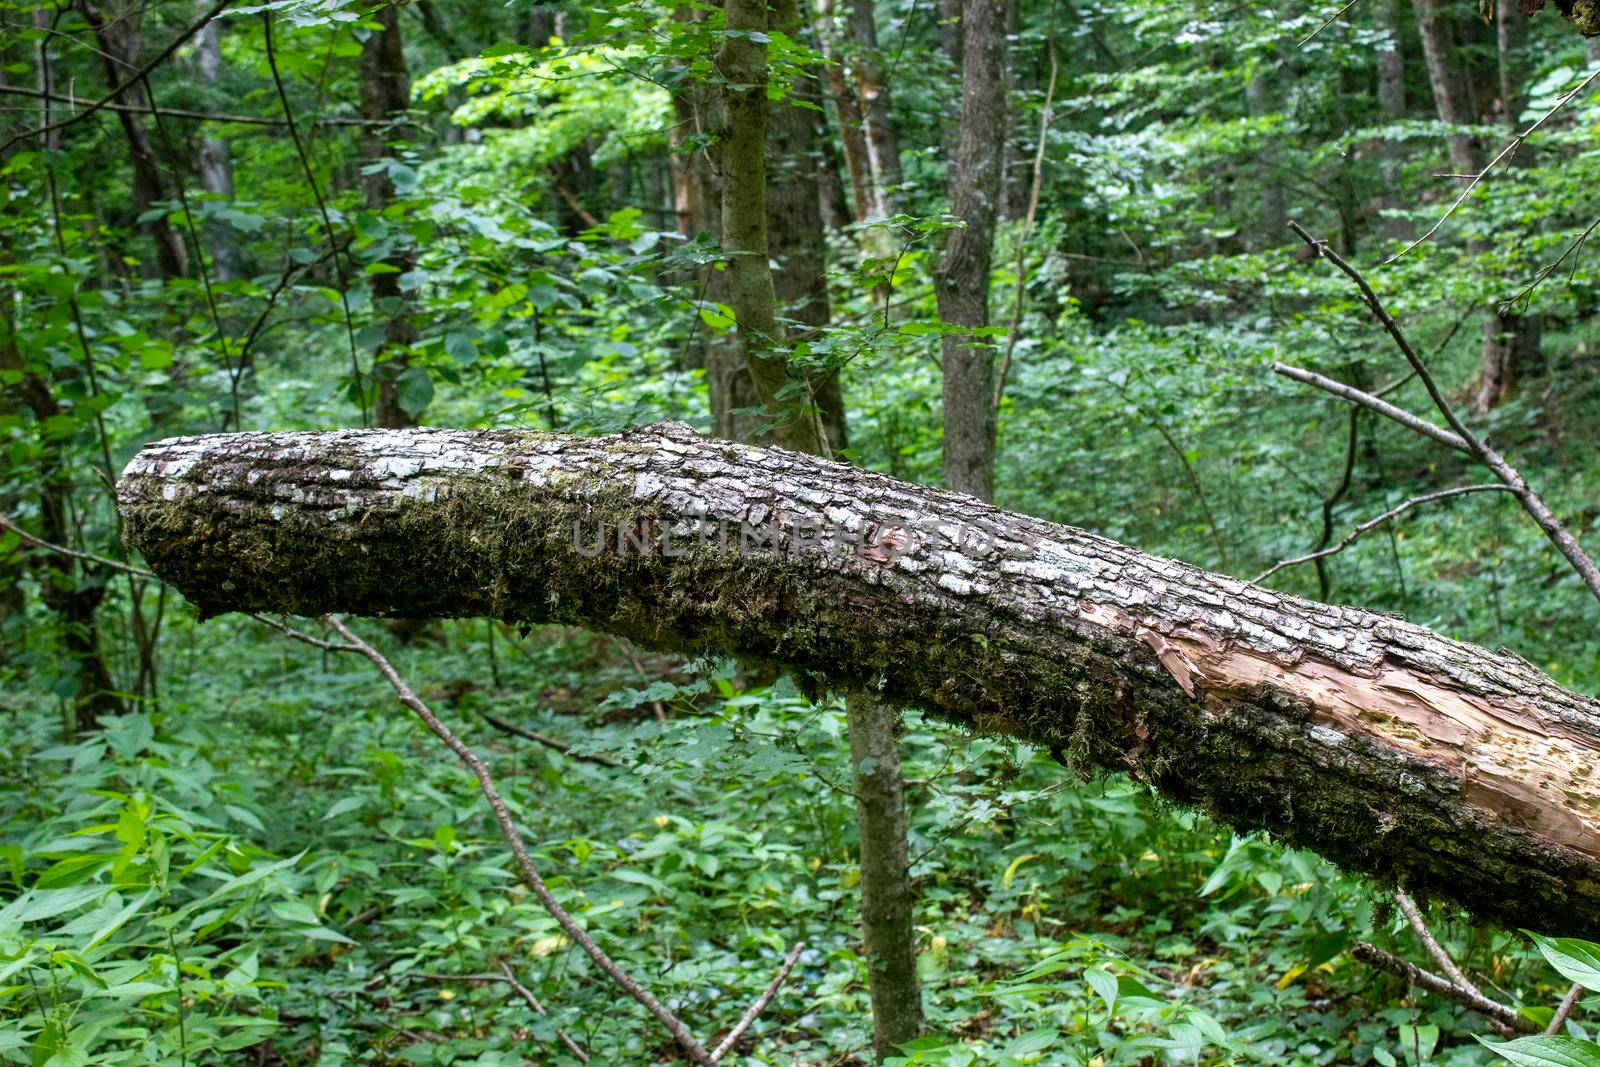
1455,772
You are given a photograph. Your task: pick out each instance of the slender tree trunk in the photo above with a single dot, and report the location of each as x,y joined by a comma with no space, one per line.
1274,215
1511,342
1015,172
1450,87
883,145
385,100
887,898
744,229
962,280
216,162
794,221
1392,104
74,593
852,128
121,45
1462,774
951,40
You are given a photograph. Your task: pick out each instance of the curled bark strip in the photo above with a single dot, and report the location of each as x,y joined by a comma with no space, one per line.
1460,773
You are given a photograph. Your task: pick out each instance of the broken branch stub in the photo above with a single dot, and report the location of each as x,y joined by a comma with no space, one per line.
1424,762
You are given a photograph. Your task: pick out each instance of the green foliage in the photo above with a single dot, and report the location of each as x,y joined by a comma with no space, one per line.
266,862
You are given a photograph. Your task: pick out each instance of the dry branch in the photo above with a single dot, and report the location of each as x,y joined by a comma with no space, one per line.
1460,773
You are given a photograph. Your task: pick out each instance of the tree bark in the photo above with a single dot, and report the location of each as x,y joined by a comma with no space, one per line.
888,938
1392,103
1449,87
216,161
794,221
121,45
1456,772
962,280
852,131
385,100
883,145
744,229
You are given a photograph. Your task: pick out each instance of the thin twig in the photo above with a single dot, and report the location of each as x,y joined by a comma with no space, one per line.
760,1004
530,874
322,206
1027,230
1508,475
538,1009
1506,152
6,522
110,98
1419,926
544,739
1372,524
1545,272
1335,17
174,112
1568,1002
1370,401
1506,1019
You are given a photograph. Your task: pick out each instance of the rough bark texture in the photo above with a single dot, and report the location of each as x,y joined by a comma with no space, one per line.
1392,103
385,98
1450,91
216,161
794,223
962,281
883,145
121,44
1457,772
852,132
744,228
889,942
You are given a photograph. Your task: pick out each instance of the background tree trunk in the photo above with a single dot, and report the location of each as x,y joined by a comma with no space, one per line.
852,130
794,221
1392,104
883,145
118,37
962,279
1274,215
744,230
888,938
385,100
216,162
1460,773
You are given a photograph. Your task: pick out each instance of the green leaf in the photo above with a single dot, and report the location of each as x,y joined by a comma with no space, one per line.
414,390
1578,961
1547,1051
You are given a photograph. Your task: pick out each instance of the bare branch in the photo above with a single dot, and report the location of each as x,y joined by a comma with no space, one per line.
1508,475
1505,153
1335,17
538,1009
1506,1019
1373,523
530,874
1371,402
760,1004
134,79
543,739
1419,926
1568,1002
88,557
